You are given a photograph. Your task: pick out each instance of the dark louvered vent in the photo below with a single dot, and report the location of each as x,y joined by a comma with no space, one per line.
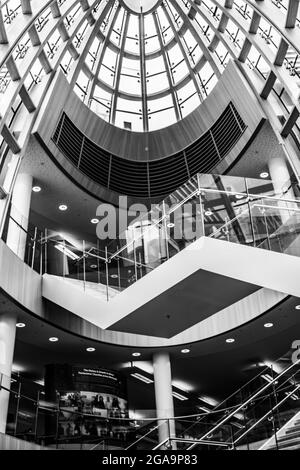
156,178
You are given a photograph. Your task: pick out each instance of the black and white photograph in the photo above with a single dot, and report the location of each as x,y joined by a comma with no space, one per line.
149,230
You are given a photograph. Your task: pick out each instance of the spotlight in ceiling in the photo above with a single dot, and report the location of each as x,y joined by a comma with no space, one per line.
63,207
208,213
53,339
268,325
170,225
114,276
297,307
93,266
264,174
36,189
136,354
91,349
240,196
95,221
230,340
20,325
185,351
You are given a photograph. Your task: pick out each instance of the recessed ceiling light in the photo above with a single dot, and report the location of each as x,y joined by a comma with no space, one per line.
268,325
90,349
264,174
136,354
53,339
20,325
114,276
208,213
297,307
230,340
185,351
170,225
63,207
95,221
240,196
36,189
93,266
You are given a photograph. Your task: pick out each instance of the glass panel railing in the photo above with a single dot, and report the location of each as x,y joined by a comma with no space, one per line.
252,414
228,208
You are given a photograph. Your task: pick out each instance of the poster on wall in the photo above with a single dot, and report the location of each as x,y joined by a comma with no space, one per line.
92,401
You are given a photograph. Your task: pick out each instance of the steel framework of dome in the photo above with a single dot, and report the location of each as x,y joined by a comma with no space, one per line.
143,65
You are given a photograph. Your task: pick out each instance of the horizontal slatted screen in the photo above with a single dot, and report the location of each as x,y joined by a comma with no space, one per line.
151,179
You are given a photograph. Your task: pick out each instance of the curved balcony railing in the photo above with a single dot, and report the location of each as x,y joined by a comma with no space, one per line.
254,413
233,209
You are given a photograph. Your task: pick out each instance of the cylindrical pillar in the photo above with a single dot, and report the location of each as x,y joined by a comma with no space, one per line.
7,346
163,396
19,214
280,175
280,178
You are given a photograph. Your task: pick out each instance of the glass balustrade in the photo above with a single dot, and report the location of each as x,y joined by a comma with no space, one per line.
246,419
232,209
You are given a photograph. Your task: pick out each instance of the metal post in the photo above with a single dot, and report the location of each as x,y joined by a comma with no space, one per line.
64,257
18,407
46,249
135,266
41,255
84,273
34,247
119,272
165,230
98,264
250,215
36,416
57,426
106,270
267,231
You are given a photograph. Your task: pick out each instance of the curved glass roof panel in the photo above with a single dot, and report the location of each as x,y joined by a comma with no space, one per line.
146,67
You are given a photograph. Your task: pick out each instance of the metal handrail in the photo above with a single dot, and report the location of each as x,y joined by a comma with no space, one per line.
267,414
248,196
147,434
249,400
195,441
234,442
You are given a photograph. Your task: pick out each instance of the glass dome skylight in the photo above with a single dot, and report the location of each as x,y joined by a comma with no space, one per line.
145,64
147,67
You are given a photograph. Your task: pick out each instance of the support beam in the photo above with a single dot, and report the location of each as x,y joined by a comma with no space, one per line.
3,35
292,13
25,97
10,139
268,85
19,215
291,121
7,346
163,396
281,52
26,7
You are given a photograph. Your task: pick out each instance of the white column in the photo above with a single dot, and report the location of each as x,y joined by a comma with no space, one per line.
280,175
163,396
21,198
7,346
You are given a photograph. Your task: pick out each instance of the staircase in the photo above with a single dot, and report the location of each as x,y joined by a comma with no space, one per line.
250,414
288,437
